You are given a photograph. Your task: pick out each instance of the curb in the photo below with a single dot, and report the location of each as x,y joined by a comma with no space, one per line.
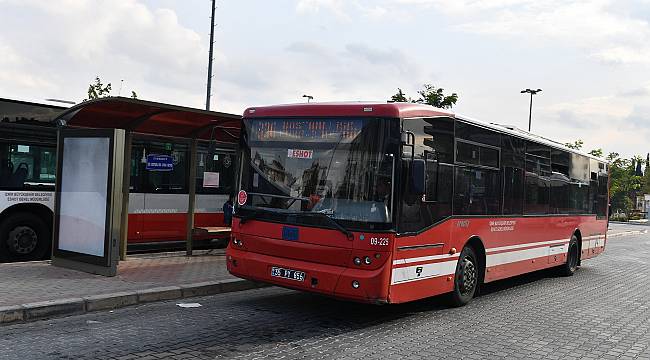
630,223
626,233
75,306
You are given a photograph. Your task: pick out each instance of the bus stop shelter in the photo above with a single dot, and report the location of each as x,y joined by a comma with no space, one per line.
139,117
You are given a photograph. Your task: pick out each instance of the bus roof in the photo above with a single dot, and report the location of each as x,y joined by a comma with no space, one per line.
152,118
395,110
14,111
379,109
46,103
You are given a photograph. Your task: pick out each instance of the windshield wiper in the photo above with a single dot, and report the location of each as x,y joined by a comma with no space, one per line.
336,224
254,211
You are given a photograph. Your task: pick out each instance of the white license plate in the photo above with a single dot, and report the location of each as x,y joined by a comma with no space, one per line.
287,274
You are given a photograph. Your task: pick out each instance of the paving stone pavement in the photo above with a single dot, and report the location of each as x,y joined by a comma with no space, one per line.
22,283
602,312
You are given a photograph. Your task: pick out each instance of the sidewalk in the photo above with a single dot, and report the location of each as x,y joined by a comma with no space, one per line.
36,290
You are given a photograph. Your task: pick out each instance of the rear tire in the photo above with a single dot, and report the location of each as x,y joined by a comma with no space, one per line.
466,278
569,268
24,237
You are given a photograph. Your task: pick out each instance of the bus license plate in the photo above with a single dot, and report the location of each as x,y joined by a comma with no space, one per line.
288,274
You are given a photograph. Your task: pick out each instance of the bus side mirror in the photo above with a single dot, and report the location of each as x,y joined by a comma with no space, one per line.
418,167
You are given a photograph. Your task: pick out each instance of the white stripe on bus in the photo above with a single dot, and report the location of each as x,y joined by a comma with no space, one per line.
423,258
426,271
519,246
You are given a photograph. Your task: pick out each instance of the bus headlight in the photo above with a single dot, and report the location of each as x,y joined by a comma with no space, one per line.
357,261
355,284
367,260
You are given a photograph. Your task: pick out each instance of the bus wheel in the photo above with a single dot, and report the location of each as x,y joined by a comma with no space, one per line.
466,277
24,237
571,265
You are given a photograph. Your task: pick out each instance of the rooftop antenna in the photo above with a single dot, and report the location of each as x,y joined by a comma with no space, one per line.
120,91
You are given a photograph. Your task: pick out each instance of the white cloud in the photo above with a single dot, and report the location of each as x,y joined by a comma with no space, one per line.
65,44
613,37
337,7
343,10
349,72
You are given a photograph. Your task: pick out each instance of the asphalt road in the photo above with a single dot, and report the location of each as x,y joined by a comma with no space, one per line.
602,312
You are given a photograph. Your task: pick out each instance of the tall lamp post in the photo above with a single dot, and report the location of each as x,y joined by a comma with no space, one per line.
210,57
309,97
530,111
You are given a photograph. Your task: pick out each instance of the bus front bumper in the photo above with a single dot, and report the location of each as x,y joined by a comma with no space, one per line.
337,281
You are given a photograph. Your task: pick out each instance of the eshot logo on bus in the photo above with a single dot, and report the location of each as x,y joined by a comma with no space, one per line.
300,154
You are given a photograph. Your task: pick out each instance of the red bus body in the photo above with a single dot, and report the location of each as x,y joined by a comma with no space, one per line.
405,266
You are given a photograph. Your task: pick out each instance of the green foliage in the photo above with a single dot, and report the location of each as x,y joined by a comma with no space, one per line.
596,152
435,97
429,95
576,145
98,90
619,216
399,97
646,176
624,184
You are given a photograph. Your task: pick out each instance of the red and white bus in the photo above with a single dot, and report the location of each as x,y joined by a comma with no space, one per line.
388,203
158,200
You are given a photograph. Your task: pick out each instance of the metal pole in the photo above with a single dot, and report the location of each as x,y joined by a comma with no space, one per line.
126,179
530,111
207,97
190,204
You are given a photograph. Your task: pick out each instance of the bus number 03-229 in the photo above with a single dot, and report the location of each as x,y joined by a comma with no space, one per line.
379,241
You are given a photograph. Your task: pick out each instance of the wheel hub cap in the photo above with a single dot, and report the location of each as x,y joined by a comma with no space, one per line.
468,278
22,240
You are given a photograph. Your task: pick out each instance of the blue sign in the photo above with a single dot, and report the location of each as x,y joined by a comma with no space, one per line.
289,233
160,162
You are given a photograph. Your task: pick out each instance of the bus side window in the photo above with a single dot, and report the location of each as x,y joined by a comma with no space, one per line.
477,184
538,184
434,144
513,150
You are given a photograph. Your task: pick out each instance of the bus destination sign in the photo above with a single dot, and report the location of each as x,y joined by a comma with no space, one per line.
321,130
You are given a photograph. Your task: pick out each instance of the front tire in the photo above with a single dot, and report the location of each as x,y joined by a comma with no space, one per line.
569,268
24,237
466,278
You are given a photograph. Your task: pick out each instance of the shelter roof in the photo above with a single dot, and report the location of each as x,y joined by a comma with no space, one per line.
152,118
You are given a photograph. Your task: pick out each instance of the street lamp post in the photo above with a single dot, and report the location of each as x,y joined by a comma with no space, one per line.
530,110
309,97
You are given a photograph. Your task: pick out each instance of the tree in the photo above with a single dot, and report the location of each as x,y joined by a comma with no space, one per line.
576,145
399,97
98,90
597,152
435,97
429,95
624,183
646,176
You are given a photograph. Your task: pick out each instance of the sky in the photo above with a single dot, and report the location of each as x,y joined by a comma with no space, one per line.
590,58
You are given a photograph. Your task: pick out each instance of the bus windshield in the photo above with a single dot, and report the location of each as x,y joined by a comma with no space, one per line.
340,167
